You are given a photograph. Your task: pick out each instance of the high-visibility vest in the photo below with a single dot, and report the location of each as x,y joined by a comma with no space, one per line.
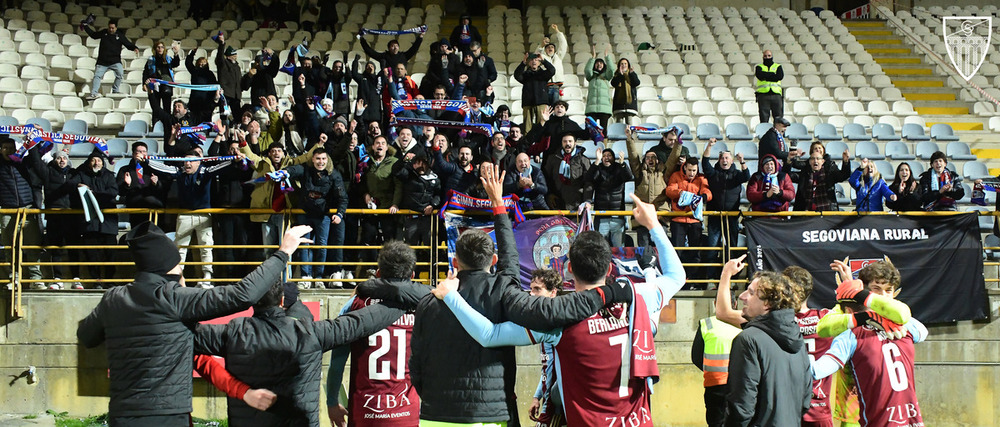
764,86
718,337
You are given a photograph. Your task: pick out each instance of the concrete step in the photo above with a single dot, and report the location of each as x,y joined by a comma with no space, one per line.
880,41
963,123
871,33
901,83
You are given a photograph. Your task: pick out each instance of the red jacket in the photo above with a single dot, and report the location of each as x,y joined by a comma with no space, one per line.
679,183
758,186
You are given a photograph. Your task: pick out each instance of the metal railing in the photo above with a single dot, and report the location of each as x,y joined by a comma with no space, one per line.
432,263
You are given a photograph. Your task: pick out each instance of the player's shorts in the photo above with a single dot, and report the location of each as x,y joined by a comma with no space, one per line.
824,423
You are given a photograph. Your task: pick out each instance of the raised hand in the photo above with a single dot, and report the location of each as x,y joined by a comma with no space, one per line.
846,156
843,271
128,179
492,179
293,238
644,213
445,286
733,266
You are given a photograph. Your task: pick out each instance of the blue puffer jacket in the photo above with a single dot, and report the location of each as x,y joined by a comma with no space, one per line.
870,195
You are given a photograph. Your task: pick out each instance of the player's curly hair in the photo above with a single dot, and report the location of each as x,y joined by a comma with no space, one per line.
550,278
801,280
775,290
883,271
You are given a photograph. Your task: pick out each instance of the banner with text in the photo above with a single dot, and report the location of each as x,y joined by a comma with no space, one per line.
939,258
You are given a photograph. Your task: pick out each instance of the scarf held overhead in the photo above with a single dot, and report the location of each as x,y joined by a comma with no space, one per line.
465,202
480,128
399,106
415,30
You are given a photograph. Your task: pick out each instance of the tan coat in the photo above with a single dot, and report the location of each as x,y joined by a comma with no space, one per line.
261,196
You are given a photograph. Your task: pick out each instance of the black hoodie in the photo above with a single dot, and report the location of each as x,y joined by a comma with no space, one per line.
770,381
102,184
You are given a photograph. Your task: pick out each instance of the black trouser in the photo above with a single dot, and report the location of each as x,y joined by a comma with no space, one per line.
687,234
61,230
770,104
97,257
716,405
231,230
375,230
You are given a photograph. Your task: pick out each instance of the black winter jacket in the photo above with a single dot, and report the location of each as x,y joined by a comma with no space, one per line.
15,186
229,77
804,198
261,83
770,382
725,185
389,60
419,191
935,200
458,380
530,198
230,189
769,145
536,83
285,355
370,90
148,327
605,185
319,190
200,99
105,189
109,52
59,188
453,177
140,194
625,101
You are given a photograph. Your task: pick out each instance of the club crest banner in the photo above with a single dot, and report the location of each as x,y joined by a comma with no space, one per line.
939,258
967,42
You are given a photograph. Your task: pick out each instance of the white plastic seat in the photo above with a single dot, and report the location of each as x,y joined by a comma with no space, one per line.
696,94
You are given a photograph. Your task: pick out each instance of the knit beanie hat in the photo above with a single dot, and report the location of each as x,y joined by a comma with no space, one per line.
152,251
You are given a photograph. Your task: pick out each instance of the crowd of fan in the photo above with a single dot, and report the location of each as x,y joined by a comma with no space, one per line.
340,153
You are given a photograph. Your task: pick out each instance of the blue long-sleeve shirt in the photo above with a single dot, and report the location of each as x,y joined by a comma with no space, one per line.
870,195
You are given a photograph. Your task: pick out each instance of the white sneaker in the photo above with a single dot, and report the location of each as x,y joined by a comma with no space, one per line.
39,286
204,283
75,284
336,277
304,283
56,285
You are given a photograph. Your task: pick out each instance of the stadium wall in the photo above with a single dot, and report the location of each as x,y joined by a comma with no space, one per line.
958,371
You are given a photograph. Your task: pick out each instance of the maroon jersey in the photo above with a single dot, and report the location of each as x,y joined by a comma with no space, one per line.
883,372
819,409
380,392
600,390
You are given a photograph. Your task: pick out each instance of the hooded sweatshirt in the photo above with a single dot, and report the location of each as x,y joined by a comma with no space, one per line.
760,183
770,382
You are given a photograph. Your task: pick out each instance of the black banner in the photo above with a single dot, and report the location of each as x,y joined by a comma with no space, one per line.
940,258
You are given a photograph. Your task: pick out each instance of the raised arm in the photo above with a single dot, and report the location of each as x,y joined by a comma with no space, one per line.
723,299
356,324
194,304
486,333
507,262
659,288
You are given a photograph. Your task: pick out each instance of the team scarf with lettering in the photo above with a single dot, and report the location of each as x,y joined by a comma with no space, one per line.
480,128
689,199
595,129
302,49
781,141
465,202
191,159
415,30
281,177
198,130
154,84
45,141
400,105
644,129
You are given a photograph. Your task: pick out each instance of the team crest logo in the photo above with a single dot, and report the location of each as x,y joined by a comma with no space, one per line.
857,264
966,43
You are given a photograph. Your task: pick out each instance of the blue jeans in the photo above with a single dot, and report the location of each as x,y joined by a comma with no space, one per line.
99,73
270,232
320,230
335,257
611,229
